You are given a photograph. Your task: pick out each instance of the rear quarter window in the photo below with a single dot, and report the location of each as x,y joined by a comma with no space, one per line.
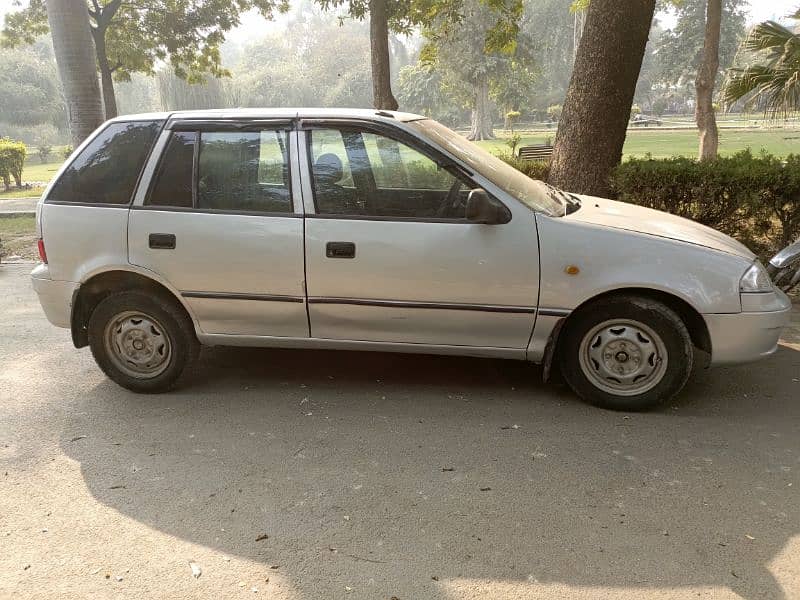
106,170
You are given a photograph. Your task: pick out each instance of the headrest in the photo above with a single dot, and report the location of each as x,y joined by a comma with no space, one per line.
328,169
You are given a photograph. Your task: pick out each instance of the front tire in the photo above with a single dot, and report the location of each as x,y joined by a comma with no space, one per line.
142,341
626,353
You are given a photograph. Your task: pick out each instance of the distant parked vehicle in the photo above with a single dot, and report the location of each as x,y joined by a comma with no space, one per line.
640,120
364,230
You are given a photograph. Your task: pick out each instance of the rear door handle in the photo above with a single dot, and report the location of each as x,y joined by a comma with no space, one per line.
340,250
162,241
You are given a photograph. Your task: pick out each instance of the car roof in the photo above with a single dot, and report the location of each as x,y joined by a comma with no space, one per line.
277,113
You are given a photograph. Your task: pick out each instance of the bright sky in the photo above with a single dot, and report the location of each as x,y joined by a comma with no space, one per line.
760,10
763,10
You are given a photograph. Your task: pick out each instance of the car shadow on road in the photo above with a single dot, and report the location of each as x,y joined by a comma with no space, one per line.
402,469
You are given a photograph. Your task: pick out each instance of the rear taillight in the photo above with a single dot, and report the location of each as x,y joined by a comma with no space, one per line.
42,252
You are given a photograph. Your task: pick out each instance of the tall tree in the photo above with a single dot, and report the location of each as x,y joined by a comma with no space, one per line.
382,96
704,113
477,72
594,122
72,43
131,37
679,50
772,81
401,16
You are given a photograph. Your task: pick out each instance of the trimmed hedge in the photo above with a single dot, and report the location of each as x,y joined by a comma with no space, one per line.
535,169
754,199
12,159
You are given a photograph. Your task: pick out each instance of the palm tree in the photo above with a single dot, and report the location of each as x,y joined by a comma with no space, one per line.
774,81
74,52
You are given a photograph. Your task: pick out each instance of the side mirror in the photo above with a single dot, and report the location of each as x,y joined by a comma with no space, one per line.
483,209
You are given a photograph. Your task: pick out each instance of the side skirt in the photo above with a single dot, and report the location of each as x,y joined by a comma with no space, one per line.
324,344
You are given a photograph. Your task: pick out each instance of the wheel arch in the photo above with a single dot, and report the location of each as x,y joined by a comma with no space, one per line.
691,317
101,284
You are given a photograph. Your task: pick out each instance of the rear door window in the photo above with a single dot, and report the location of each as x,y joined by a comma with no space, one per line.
244,171
107,169
231,171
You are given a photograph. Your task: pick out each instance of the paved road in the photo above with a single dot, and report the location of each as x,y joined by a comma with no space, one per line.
18,205
379,476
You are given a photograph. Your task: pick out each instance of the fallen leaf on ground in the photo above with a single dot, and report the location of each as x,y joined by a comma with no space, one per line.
486,489
196,570
79,437
262,537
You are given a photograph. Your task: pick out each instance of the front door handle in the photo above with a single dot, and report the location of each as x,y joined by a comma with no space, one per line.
340,250
162,241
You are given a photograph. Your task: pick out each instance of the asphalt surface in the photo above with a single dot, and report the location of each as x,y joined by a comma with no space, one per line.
18,205
377,476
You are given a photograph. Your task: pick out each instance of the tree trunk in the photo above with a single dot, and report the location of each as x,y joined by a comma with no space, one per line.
382,97
594,121
106,81
481,123
704,84
72,45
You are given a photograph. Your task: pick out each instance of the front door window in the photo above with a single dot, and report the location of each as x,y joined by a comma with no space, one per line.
361,173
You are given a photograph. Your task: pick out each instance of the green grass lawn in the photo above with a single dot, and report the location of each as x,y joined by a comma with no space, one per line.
23,193
36,171
662,144
18,237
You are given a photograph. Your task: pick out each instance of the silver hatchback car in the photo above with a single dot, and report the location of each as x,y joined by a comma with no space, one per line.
365,230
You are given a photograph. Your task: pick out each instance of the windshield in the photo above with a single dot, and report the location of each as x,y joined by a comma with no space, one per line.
537,195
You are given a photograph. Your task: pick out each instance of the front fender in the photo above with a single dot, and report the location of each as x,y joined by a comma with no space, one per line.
615,259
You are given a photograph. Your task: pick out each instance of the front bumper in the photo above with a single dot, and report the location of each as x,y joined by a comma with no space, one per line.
750,335
54,296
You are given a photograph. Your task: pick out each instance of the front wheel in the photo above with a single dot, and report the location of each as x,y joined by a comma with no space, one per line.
141,341
626,353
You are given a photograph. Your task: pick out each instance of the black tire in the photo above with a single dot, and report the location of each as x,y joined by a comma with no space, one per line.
658,317
172,319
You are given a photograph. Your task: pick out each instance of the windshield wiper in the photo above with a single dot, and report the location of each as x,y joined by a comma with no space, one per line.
570,202
573,203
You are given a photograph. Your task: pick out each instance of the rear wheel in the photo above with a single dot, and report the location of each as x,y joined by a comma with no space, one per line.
142,342
626,353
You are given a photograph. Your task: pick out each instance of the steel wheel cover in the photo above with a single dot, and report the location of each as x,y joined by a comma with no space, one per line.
137,344
623,357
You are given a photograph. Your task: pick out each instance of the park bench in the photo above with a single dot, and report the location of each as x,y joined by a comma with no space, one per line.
542,152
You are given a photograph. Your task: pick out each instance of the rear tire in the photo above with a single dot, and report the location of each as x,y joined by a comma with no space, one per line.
143,342
626,353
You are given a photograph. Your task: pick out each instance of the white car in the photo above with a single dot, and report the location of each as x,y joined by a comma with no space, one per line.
373,230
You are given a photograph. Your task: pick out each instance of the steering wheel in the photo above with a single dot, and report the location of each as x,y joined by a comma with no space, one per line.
450,201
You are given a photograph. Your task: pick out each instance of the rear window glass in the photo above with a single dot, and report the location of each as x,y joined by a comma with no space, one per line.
106,171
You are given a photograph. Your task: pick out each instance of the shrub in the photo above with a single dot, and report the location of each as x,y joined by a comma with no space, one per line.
44,152
534,169
513,141
554,111
12,160
66,152
45,134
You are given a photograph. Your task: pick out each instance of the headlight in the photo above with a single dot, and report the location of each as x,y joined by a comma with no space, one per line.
755,279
